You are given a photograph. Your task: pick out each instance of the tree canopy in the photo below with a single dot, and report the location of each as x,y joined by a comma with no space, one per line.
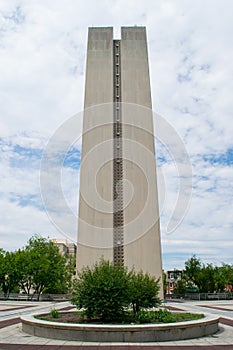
38,266
206,277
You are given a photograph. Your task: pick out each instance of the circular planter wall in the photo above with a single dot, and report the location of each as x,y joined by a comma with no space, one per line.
120,333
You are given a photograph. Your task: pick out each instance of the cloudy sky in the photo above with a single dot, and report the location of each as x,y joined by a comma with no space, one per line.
42,67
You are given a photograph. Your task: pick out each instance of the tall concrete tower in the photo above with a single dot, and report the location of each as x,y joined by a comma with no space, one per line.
118,204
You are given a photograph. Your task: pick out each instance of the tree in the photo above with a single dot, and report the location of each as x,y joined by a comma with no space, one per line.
144,291
2,274
205,279
208,278
223,277
38,266
180,287
227,273
9,273
25,267
164,283
192,269
48,268
64,284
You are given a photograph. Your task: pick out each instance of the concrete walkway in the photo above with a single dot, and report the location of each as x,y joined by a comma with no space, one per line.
12,337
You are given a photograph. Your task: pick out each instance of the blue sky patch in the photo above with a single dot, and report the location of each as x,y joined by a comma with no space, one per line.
26,200
222,158
24,157
72,159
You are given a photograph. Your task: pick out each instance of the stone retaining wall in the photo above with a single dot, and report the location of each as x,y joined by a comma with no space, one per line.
120,333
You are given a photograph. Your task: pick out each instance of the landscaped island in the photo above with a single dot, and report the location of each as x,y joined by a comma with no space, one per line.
129,333
111,294
118,305
159,316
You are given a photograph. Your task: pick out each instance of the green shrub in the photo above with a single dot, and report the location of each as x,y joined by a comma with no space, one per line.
144,316
159,316
106,291
163,315
166,316
103,291
144,291
54,313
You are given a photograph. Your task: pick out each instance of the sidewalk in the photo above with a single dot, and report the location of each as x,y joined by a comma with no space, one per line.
12,337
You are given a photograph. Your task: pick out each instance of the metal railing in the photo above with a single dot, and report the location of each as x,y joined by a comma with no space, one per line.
201,296
34,297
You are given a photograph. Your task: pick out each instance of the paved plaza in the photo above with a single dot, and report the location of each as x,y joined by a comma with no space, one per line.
12,337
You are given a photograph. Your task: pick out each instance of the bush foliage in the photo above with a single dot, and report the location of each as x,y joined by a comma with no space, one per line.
106,291
144,291
54,313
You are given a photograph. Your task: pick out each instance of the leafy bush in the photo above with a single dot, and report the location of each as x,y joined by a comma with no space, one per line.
103,291
159,316
54,313
107,291
166,316
163,315
144,316
144,291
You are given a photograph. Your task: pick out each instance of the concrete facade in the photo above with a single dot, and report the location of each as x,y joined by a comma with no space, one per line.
98,91
65,247
118,156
